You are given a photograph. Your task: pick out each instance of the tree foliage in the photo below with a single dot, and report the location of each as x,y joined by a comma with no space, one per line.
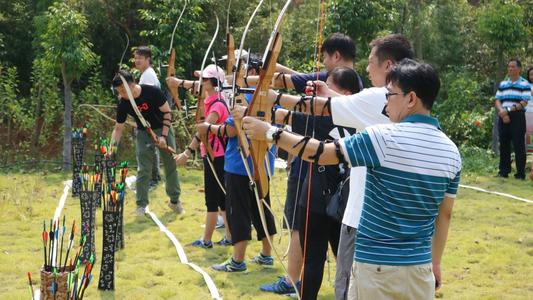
51,45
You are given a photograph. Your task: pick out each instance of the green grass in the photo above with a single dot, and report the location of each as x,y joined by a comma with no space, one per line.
489,253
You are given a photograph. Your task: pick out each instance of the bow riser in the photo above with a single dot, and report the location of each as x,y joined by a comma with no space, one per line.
261,108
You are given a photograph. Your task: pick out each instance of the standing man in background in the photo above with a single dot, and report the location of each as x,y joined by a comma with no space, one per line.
143,63
511,99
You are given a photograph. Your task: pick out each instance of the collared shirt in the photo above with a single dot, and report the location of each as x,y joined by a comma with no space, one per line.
411,167
512,92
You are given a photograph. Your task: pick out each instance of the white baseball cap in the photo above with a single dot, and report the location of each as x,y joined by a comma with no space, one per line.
214,71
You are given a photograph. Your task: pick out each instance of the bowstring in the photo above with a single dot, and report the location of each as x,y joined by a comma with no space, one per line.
318,52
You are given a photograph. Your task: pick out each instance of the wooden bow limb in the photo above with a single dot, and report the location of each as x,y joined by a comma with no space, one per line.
171,72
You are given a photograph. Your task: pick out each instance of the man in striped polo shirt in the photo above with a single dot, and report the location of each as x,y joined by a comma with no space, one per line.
412,179
511,99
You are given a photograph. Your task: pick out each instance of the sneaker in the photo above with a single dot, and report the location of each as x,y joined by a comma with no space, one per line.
140,211
202,244
224,242
282,287
176,207
502,175
152,185
230,265
263,260
298,288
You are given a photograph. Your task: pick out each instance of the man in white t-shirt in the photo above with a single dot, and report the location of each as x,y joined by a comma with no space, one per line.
358,111
143,63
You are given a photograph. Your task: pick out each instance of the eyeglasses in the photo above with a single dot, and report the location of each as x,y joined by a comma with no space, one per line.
388,94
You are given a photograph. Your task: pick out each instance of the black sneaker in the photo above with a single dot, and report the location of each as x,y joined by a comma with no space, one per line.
502,175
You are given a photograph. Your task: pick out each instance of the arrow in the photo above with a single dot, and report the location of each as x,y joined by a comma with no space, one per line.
51,238
62,237
71,241
31,285
45,238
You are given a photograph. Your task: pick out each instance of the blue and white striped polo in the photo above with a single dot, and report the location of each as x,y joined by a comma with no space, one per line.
510,93
411,165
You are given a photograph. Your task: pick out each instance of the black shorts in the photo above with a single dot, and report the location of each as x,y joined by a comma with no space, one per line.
242,210
214,195
294,190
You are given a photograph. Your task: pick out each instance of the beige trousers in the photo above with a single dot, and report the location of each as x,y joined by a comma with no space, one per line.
382,282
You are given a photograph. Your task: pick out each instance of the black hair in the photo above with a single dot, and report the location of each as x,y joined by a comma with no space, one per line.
517,61
118,82
254,62
346,79
412,76
214,81
393,46
341,43
144,51
527,74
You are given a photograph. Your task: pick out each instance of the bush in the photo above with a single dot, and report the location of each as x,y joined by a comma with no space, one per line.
464,112
479,161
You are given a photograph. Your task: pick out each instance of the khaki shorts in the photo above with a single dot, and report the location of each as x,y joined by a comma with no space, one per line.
369,281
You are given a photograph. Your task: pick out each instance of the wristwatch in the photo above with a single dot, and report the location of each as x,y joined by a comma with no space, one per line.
269,135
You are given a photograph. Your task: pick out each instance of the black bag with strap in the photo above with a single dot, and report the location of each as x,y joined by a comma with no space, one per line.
338,200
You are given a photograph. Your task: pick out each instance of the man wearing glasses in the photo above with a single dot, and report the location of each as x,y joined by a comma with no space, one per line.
413,173
358,111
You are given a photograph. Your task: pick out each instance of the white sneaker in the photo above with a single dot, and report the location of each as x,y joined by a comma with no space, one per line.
176,207
140,211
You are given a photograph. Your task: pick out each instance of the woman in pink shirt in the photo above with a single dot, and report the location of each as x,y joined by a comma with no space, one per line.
215,112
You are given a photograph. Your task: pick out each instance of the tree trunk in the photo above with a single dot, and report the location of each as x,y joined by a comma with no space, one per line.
67,122
38,126
499,76
417,28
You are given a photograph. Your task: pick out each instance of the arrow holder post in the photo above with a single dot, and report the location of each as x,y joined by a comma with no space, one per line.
77,160
88,216
98,161
107,268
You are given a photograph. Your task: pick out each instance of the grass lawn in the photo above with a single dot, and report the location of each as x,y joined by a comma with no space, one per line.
489,254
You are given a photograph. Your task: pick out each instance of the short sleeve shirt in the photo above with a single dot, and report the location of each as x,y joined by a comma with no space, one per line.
149,77
148,103
214,103
411,167
510,93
